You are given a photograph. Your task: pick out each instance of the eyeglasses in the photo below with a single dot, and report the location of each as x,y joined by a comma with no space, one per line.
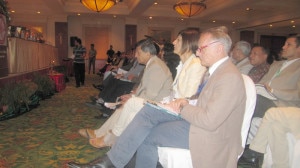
200,49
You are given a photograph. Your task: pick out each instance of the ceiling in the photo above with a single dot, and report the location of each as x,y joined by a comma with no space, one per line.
282,15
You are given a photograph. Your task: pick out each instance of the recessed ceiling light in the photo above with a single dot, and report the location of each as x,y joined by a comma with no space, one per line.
249,9
214,21
78,14
182,19
233,22
38,12
150,17
155,3
271,25
294,26
12,11
292,21
115,16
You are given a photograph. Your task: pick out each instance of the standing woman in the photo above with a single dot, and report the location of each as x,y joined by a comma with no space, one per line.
79,66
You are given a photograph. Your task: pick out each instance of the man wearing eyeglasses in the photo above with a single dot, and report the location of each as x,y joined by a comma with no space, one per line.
211,128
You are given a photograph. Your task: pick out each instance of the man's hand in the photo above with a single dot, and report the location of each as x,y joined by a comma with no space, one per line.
177,104
125,97
119,76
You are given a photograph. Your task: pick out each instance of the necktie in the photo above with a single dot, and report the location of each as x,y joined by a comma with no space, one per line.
201,86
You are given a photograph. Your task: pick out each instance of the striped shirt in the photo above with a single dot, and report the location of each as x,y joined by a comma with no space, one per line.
79,52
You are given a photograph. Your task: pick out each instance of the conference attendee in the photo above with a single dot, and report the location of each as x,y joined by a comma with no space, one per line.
79,53
202,128
240,55
189,76
258,59
277,122
92,58
282,80
170,58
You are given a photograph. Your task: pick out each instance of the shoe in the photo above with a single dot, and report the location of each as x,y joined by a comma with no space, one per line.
95,105
251,158
107,111
99,87
87,133
93,99
97,163
98,142
102,116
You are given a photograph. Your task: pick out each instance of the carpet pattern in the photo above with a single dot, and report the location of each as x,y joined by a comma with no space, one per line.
47,135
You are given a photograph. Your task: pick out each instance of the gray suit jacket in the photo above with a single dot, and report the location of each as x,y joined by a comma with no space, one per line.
286,85
156,81
216,120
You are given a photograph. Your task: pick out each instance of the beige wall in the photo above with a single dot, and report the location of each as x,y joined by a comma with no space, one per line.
78,25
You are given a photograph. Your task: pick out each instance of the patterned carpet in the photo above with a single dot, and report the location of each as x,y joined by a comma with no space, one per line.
47,135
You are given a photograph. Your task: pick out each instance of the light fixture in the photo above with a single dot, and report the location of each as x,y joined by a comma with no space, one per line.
189,8
98,5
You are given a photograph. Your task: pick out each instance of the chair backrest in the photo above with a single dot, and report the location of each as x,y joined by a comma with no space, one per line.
250,106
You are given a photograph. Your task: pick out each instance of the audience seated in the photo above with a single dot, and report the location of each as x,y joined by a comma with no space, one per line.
185,85
259,59
240,55
202,128
282,80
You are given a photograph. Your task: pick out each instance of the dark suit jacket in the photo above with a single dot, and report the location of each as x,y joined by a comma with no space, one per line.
216,120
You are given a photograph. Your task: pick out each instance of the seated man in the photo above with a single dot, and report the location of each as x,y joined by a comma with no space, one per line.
282,80
202,128
240,55
272,131
259,60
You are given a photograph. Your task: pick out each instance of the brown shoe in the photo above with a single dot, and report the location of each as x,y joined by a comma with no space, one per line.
87,133
98,142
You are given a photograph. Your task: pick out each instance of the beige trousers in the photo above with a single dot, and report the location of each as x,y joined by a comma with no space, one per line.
272,131
121,117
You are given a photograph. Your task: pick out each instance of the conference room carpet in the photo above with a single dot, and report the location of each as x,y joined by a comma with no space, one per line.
46,137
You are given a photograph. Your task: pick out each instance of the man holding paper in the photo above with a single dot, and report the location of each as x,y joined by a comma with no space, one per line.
282,80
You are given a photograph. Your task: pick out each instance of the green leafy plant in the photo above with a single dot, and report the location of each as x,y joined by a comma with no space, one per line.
16,94
45,85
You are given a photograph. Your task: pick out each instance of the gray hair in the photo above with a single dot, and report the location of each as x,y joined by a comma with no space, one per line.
244,47
147,45
220,34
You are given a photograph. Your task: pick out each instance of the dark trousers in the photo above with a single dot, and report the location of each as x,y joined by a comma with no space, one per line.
92,64
262,105
115,88
79,71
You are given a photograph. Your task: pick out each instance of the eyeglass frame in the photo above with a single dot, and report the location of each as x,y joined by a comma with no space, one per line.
200,49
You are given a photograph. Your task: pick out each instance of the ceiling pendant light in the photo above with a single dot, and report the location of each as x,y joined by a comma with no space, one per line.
189,8
98,5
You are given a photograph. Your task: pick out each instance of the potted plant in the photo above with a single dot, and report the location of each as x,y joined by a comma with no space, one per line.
46,86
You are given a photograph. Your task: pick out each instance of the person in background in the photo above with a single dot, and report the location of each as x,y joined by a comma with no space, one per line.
110,54
170,58
282,80
240,55
92,58
79,52
259,59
